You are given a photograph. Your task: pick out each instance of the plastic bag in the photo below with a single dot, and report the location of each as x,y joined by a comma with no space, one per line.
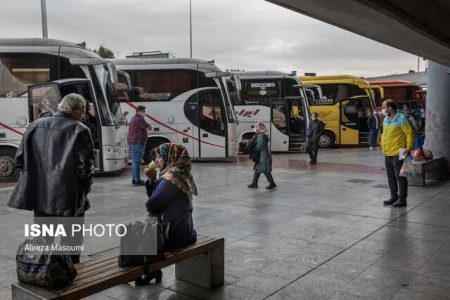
407,169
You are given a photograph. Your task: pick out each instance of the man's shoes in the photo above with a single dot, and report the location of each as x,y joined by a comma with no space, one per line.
138,182
253,186
390,201
371,148
313,162
399,203
271,186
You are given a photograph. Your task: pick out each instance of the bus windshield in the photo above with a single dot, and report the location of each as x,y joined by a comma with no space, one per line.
110,108
230,89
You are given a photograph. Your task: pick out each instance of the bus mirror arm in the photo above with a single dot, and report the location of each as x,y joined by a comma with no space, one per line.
123,122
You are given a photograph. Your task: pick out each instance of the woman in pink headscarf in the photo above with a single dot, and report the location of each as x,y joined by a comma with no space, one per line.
260,154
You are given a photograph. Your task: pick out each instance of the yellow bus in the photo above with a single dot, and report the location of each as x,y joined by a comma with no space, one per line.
343,108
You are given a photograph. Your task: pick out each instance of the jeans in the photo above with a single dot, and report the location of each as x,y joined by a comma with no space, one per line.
397,184
373,137
137,152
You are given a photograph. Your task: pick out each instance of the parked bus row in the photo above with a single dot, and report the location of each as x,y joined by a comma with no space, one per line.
188,101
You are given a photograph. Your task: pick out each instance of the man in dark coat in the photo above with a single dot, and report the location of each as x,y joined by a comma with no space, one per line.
373,123
315,130
56,163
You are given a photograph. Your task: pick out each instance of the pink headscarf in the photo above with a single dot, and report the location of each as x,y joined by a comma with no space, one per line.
261,128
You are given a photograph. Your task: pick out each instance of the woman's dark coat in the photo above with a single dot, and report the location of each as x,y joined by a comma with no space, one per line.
173,208
264,164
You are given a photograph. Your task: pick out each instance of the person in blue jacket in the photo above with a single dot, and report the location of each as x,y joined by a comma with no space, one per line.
171,200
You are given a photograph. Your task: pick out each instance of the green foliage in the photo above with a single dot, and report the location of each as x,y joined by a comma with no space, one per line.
105,52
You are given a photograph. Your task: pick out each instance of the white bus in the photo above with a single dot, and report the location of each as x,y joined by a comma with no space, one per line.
278,100
26,62
187,102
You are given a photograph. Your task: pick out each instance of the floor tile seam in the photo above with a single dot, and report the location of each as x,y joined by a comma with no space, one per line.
170,288
249,289
422,293
331,258
427,276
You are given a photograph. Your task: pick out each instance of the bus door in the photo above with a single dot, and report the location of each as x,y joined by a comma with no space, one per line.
376,93
43,100
205,110
279,125
353,120
297,117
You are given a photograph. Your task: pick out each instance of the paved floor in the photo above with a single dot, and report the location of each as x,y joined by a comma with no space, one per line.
323,234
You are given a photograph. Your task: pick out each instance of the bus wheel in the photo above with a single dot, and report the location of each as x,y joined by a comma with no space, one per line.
327,140
8,172
152,143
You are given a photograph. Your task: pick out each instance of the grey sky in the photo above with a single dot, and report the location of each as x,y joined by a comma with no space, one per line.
243,34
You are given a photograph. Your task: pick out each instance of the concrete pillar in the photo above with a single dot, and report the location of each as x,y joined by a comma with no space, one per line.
437,126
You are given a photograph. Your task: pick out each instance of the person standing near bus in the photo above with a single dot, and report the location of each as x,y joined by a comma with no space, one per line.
137,137
373,123
56,164
315,130
397,134
263,163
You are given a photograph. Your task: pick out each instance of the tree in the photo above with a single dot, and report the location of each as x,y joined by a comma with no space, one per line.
105,52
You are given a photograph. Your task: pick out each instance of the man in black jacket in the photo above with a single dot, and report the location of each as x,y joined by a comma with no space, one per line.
56,163
373,123
315,130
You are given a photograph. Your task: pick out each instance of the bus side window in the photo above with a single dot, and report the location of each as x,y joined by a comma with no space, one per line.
18,71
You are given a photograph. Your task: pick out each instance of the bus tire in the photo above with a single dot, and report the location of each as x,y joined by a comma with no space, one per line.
8,171
327,139
152,143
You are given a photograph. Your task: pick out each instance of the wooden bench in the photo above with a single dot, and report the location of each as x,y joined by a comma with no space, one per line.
435,167
201,264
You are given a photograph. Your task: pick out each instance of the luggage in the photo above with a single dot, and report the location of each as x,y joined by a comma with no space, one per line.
39,266
139,241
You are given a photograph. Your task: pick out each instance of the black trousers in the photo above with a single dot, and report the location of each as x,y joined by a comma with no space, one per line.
313,150
41,217
397,184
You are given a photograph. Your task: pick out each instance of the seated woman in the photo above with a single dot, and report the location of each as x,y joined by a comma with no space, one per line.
171,200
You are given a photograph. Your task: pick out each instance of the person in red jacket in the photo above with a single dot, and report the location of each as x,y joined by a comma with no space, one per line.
137,138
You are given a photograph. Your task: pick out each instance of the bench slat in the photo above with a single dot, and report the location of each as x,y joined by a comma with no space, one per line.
117,273
103,272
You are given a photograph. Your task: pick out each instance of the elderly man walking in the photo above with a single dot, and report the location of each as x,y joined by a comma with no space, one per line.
56,164
397,134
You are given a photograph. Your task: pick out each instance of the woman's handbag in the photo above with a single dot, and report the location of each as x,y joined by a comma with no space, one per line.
149,187
139,241
253,153
42,267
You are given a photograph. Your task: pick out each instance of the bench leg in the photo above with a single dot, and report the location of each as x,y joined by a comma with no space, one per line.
205,270
418,180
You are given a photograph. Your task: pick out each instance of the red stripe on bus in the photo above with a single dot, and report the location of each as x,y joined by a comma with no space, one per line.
177,131
10,128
